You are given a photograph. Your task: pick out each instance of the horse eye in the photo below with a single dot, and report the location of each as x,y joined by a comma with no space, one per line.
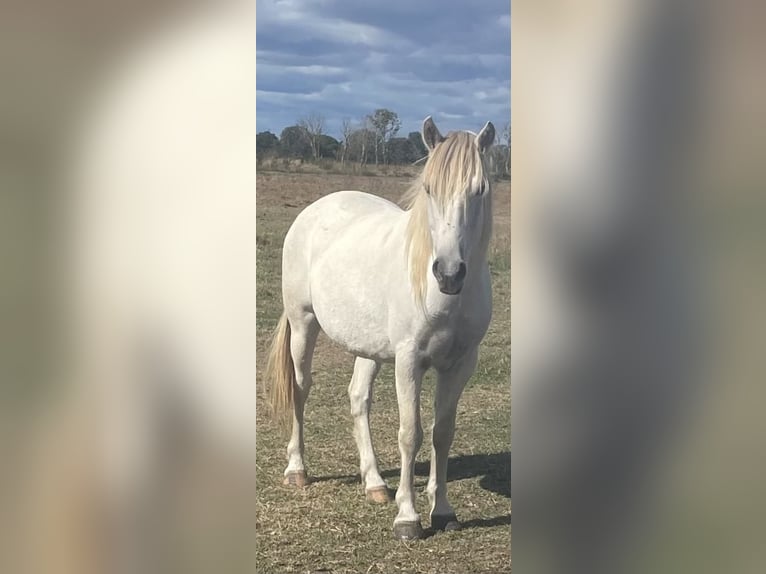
428,189
482,187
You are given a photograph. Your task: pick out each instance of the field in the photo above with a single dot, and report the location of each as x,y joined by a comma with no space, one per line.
329,526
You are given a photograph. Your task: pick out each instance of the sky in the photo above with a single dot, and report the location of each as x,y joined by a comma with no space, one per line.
346,58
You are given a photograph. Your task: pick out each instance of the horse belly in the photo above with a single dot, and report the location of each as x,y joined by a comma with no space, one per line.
354,318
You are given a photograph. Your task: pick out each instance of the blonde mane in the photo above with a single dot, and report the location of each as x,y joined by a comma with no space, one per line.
452,166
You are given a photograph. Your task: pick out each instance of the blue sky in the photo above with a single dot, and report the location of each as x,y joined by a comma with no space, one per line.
344,59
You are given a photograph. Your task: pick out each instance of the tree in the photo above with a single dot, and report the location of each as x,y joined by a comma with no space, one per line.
496,157
266,143
313,128
400,150
385,125
361,140
293,143
416,140
346,131
506,135
328,146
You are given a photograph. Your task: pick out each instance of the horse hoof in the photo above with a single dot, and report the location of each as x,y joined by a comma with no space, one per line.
378,495
446,522
408,531
296,478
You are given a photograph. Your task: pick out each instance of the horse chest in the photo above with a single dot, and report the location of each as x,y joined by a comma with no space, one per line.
457,328
450,341
445,347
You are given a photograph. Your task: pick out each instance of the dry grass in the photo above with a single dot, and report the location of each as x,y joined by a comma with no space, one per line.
329,526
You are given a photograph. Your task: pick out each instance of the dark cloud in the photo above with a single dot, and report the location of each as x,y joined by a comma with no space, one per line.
418,58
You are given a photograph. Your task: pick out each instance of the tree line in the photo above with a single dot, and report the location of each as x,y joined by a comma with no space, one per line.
373,139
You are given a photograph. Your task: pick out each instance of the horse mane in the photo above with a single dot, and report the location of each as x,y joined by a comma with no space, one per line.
453,166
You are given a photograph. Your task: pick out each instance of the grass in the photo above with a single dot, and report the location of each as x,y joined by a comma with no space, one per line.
329,526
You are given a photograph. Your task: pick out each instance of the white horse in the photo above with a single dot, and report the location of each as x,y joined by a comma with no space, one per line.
412,287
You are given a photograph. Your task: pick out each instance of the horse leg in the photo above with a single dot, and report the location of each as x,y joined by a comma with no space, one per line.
409,376
303,336
449,387
360,394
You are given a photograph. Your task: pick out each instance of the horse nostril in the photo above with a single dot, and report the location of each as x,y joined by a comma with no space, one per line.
435,269
460,272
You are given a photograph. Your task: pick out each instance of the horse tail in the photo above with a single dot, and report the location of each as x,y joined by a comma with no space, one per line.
280,371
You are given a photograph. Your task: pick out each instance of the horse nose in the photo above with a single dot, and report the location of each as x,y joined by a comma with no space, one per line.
437,270
450,280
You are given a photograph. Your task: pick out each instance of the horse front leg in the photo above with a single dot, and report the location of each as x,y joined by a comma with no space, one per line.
409,376
449,387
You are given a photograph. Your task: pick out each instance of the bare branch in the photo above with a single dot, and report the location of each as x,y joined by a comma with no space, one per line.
313,127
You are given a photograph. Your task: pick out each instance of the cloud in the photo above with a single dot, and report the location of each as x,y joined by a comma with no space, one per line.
345,59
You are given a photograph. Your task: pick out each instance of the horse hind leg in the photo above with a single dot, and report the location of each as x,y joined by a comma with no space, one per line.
360,394
304,331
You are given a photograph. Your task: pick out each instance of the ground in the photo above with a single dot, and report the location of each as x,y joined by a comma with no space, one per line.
329,526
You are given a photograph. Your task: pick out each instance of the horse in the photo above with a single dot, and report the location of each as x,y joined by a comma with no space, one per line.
409,286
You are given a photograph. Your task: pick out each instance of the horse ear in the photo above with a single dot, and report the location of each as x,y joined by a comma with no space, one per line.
431,135
486,137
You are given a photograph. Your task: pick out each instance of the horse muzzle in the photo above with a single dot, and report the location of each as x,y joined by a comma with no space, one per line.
449,278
